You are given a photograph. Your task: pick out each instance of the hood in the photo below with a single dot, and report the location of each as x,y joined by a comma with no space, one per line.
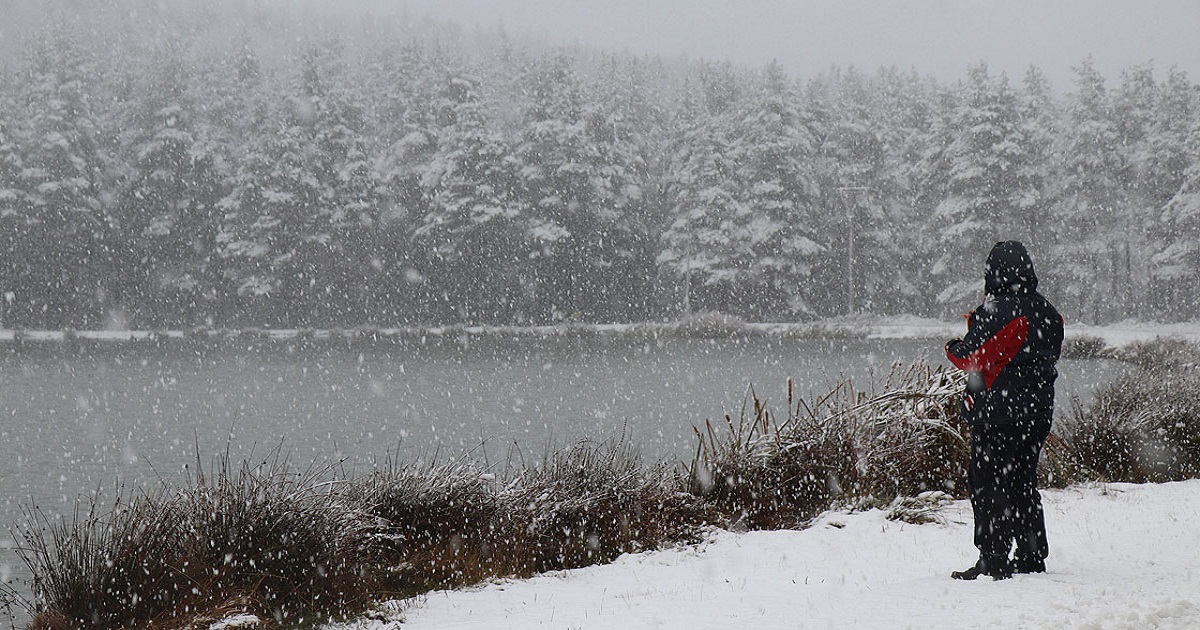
1009,270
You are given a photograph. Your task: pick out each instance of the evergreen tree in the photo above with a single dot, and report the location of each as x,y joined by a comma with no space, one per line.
1171,171
232,123
930,160
1166,155
1090,204
631,129
11,196
702,244
473,232
60,260
411,84
984,185
893,260
1176,270
1135,112
168,205
342,156
1038,113
775,154
10,154
866,266
581,182
291,205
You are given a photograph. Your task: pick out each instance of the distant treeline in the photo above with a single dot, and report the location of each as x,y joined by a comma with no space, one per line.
225,164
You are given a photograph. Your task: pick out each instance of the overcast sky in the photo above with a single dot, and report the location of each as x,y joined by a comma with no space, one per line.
938,37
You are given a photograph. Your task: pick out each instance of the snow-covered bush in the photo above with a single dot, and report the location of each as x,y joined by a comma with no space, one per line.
850,445
1083,347
594,501
436,525
260,539
1145,426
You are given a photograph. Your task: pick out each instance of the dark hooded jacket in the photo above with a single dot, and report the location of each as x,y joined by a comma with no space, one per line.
1012,343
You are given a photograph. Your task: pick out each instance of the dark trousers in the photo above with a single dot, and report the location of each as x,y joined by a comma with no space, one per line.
1002,480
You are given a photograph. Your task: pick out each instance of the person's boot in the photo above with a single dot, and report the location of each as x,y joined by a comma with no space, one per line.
995,567
1031,551
1028,565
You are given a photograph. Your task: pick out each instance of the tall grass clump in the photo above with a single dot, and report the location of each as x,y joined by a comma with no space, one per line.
766,472
1144,427
256,539
591,502
437,525
97,568
282,543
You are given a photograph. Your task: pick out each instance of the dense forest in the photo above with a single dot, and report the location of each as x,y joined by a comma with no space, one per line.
243,164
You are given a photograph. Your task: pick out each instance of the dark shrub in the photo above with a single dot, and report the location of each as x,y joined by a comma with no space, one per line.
1083,347
260,539
1146,426
283,539
437,525
103,569
592,502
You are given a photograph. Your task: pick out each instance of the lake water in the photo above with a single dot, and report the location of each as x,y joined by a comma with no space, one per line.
72,421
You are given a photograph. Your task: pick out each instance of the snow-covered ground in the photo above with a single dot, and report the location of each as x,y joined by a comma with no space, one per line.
1122,556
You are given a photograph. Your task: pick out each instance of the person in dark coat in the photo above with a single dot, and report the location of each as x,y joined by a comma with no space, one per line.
1012,344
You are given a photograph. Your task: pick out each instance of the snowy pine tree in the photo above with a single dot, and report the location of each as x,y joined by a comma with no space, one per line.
1163,170
774,154
60,228
581,181
473,233
984,184
1176,267
702,246
292,202
10,154
167,207
1090,207
859,124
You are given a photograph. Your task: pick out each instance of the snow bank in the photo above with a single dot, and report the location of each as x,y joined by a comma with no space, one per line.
1122,556
1124,333
871,326
1113,335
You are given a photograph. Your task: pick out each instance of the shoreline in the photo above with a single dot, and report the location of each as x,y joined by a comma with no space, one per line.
738,479
704,326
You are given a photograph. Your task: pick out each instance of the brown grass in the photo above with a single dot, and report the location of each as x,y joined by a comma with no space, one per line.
769,472
436,525
594,501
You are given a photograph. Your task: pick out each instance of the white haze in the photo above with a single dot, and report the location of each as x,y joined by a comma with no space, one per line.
937,37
